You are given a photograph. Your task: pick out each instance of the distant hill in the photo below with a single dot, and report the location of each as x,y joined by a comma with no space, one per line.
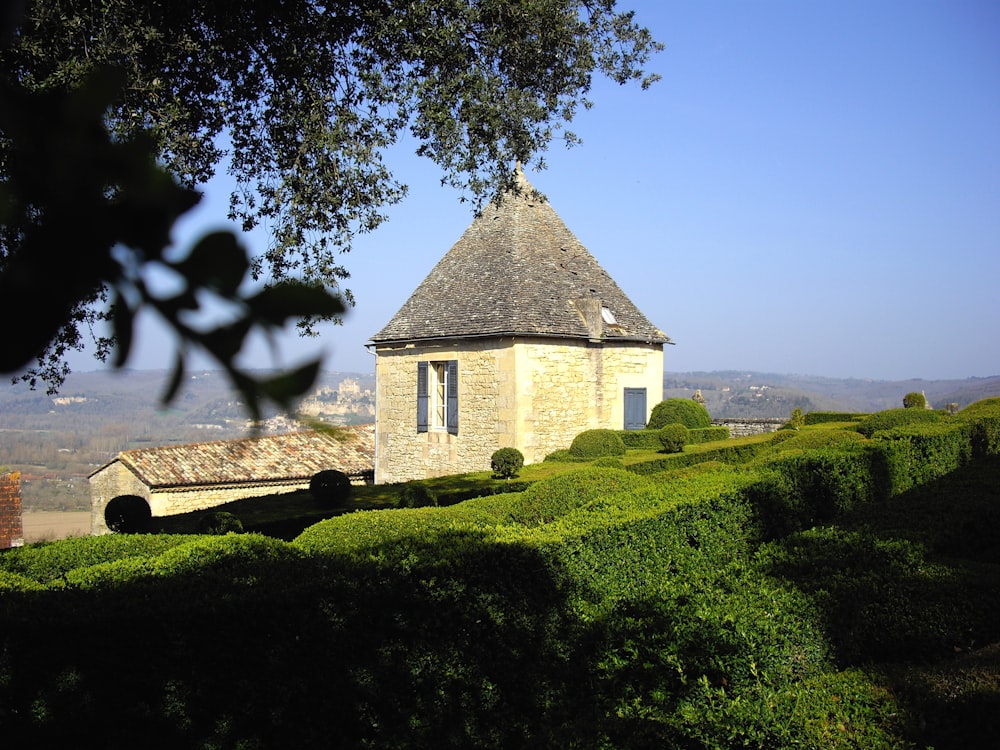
736,393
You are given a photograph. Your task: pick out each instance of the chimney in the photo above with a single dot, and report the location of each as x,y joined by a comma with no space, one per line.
590,310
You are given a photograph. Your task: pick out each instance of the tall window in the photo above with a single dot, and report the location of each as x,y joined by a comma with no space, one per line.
437,396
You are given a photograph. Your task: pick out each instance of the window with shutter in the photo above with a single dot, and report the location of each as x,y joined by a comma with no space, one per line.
423,401
452,397
437,396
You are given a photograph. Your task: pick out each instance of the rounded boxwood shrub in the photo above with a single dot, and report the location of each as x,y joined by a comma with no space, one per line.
506,462
673,437
331,487
597,443
683,411
416,495
914,401
220,522
128,514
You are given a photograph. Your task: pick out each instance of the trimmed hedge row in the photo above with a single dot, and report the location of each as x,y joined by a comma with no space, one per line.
890,418
708,434
47,562
734,452
823,417
984,416
648,439
642,439
598,608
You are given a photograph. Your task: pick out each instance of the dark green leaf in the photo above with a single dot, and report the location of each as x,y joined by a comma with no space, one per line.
291,299
218,262
122,320
176,378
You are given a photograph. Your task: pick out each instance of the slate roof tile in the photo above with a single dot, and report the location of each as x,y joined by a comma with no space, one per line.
292,456
517,270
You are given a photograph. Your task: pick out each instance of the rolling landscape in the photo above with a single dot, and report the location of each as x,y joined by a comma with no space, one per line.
57,441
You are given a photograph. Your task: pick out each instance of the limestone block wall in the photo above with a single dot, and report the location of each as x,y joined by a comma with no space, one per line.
566,387
184,500
116,480
535,395
401,453
747,427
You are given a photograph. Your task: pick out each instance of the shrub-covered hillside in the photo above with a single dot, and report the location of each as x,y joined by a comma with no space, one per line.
813,588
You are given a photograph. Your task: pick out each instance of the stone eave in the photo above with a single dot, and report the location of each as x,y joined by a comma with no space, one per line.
383,343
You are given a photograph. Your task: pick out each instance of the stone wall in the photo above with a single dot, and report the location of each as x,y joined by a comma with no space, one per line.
11,523
746,427
533,394
116,480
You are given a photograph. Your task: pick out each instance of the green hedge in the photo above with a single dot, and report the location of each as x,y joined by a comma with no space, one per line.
812,439
46,562
597,443
984,416
598,608
799,490
734,452
689,413
823,417
642,439
707,434
891,418
920,453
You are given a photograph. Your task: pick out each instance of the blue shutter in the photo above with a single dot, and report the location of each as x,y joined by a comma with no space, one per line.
635,408
452,406
422,399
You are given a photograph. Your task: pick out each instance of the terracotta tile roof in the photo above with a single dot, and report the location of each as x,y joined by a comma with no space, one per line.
517,270
269,458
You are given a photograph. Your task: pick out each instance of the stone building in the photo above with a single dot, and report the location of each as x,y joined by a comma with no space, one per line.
173,479
517,338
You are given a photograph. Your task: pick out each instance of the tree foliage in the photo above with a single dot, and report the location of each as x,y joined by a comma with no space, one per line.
299,102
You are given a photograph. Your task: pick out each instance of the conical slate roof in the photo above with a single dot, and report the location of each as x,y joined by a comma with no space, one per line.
518,270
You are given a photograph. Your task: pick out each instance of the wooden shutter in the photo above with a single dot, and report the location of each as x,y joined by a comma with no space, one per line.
422,397
635,408
452,410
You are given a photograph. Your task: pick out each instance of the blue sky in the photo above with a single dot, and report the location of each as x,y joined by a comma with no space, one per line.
812,188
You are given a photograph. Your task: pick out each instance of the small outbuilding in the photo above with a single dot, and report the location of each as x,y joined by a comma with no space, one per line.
517,338
173,479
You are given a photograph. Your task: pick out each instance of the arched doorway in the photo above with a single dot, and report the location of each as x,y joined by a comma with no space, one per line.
128,514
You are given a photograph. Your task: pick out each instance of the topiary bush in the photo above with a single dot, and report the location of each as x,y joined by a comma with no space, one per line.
331,487
914,401
506,462
128,514
673,437
220,522
597,443
416,495
689,413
